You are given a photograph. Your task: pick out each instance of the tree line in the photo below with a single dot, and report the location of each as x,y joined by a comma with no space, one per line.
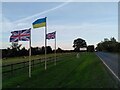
15,50
109,45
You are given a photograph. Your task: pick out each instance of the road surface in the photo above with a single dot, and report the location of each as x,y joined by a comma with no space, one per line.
111,61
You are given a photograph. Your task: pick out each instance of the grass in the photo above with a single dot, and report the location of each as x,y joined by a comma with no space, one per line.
87,71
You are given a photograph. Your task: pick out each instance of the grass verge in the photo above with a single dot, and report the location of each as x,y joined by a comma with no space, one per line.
87,71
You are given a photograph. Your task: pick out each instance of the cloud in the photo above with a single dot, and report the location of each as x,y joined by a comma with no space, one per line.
44,12
7,26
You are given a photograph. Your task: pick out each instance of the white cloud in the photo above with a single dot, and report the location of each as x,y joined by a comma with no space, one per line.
8,26
44,12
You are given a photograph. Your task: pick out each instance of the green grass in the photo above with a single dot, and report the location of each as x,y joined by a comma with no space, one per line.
87,71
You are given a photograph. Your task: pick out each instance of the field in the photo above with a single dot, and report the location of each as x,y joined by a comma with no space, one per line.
87,71
24,58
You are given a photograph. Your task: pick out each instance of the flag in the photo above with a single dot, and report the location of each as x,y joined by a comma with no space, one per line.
22,35
50,35
39,23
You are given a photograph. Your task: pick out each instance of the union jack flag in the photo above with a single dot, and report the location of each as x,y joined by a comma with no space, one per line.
22,35
51,35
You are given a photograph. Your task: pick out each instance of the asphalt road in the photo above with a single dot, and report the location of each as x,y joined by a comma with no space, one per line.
111,60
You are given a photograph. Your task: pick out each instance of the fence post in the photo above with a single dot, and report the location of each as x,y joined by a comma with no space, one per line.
25,64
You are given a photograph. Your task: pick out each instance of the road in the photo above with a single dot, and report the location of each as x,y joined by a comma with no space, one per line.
111,61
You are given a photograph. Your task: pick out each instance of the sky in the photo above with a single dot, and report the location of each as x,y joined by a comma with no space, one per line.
91,21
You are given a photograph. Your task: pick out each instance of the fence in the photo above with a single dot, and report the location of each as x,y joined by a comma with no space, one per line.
16,66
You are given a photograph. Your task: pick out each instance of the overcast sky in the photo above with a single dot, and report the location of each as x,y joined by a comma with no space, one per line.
91,21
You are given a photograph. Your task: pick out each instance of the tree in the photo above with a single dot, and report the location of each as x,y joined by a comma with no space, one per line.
48,48
16,46
43,49
59,50
90,48
23,52
113,39
79,43
108,45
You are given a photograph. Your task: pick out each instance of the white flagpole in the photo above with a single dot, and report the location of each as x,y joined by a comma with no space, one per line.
30,55
55,47
45,44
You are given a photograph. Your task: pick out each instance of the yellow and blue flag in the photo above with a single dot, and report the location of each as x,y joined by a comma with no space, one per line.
39,23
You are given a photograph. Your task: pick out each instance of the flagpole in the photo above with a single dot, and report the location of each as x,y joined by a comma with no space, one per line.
45,44
30,56
55,47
